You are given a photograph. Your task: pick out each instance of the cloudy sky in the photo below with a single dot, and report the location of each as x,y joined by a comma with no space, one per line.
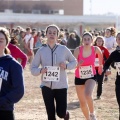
101,6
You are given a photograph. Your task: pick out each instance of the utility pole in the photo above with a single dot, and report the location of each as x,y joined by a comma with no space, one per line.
90,7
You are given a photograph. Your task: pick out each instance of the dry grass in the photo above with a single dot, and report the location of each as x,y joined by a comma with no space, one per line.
31,107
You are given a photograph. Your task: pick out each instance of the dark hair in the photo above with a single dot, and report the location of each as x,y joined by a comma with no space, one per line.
7,51
87,33
34,30
55,26
71,34
61,29
5,32
28,28
39,33
14,40
67,33
117,34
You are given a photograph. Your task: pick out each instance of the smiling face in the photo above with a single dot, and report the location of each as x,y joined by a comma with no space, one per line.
2,43
87,40
52,34
99,42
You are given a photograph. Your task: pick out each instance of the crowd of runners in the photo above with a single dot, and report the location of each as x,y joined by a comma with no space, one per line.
50,53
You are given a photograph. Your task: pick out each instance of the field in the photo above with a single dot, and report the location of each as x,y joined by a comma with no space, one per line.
31,106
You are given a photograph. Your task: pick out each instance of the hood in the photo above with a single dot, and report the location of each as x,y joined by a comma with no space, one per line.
6,57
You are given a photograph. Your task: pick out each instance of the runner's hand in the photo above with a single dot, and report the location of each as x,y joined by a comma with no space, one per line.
108,72
43,70
80,63
100,70
62,65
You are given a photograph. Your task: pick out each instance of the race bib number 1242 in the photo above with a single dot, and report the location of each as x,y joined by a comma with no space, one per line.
52,74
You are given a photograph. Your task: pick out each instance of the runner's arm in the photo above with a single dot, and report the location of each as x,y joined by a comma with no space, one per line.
109,61
35,69
72,62
100,55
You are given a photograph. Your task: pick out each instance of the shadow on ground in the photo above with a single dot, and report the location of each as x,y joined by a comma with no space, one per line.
73,105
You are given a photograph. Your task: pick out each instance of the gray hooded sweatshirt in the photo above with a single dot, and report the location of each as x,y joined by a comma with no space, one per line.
46,56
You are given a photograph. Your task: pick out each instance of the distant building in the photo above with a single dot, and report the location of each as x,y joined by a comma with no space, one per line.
61,7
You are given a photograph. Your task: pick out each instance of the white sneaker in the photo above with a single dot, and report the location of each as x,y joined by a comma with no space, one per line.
92,117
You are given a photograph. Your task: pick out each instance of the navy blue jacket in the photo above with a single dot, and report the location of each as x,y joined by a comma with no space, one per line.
114,57
12,87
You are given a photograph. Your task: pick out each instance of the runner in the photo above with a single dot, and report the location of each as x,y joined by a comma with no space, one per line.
11,79
29,47
16,52
85,78
110,42
100,43
115,57
52,57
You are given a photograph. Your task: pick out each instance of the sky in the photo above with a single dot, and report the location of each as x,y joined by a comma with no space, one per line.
101,7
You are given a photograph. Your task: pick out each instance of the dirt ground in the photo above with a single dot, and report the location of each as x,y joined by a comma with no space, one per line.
31,106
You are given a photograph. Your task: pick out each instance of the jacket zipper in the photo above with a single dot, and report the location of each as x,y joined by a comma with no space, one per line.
52,50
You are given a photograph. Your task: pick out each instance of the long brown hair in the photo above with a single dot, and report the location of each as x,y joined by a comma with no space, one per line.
112,31
5,32
99,37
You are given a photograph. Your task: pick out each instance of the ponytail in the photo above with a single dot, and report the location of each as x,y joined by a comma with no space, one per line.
6,50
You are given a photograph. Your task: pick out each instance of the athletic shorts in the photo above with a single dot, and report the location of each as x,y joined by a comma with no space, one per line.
79,81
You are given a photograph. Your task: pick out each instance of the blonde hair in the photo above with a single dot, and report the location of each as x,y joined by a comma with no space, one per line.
72,34
61,34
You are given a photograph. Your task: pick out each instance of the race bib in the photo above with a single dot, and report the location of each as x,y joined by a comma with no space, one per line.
0,83
96,62
52,74
86,72
117,64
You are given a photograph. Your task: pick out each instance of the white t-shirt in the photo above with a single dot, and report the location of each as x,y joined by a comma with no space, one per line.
27,38
110,43
31,43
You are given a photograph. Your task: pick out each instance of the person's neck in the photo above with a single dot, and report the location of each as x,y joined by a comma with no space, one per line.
108,36
28,33
100,45
52,44
118,46
87,47
2,54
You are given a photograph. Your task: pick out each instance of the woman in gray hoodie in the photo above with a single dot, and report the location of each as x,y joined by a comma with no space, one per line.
51,61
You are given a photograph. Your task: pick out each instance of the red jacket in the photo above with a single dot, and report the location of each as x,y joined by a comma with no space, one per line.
35,40
17,53
105,53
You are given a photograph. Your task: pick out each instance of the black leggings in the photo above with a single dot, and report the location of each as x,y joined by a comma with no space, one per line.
60,96
6,115
117,89
100,83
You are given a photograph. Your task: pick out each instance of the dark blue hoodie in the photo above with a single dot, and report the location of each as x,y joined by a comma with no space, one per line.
12,88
